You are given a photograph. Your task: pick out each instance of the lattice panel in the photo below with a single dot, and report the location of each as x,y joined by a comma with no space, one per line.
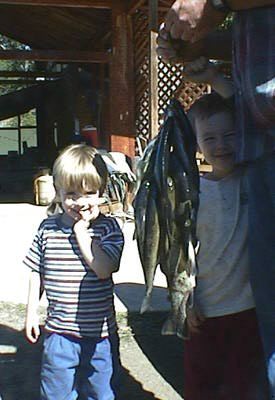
170,81
141,64
189,92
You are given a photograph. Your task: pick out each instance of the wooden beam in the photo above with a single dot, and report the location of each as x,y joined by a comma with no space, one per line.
153,15
19,81
19,102
56,55
121,73
153,69
30,74
107,4
160,8
135,5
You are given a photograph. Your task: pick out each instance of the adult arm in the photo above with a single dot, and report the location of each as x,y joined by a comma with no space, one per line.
192,20
216,45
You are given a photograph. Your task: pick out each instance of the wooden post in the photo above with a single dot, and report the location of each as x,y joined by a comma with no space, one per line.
153,69
45,131
121,77
19,135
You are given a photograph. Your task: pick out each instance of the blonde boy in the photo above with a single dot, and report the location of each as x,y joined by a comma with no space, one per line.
72,258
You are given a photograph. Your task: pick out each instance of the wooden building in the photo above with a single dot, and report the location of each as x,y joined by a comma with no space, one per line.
93,36
113,78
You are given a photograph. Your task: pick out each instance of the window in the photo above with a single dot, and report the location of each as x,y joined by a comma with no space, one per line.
18,132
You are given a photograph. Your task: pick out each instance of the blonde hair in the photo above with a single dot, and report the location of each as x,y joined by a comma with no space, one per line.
78,167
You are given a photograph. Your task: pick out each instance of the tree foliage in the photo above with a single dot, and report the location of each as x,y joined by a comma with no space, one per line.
227,23
11,65
15,65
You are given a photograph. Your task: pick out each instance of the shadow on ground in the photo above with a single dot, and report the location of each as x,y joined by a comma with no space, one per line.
20,369
164,352
132,294
19,366
139,335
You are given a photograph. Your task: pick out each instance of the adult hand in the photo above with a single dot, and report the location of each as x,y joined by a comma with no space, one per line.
176,51
191,20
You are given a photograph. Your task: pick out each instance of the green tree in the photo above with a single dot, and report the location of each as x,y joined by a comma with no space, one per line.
15,65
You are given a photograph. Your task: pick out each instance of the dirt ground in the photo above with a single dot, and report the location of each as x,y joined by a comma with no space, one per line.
152,364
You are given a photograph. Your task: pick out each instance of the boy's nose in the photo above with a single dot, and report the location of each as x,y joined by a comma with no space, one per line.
80,201
221,144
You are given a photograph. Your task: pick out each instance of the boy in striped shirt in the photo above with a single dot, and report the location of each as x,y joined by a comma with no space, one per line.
72,258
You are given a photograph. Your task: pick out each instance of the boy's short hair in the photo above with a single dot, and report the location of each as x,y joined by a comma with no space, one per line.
80,167
208,105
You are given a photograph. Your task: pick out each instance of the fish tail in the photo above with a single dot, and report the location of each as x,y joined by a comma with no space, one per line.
169,327
146,304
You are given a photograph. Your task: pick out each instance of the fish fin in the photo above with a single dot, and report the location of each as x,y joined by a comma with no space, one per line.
168,328
182,331
146,306
197,248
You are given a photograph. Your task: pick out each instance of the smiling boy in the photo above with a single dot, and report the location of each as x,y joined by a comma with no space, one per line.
223,358
72,258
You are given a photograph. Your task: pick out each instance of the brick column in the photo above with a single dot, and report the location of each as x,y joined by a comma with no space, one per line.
122,129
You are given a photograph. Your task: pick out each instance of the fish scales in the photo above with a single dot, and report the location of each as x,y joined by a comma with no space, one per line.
143,163
151,246
161,171
170,214
140,206
147,224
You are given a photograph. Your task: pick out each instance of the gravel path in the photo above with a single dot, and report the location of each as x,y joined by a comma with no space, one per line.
152,363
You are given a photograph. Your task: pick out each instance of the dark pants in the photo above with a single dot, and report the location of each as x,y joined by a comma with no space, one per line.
261,180
225,360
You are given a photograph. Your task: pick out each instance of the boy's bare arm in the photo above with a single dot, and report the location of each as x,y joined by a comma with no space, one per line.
32,329
203,71
95,257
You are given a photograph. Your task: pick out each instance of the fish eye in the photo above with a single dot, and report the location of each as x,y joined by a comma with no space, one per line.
90,192
70,193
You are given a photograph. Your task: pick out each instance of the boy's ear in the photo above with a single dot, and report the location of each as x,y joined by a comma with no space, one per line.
57,197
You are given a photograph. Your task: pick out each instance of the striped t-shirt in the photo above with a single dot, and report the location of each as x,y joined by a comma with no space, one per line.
80,303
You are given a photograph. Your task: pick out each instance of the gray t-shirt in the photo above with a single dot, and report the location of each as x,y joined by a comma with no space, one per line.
223,285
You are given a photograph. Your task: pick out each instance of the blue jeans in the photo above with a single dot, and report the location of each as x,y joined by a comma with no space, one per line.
261,180
84,368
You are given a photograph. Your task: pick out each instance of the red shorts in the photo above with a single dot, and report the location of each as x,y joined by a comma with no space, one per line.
225,360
